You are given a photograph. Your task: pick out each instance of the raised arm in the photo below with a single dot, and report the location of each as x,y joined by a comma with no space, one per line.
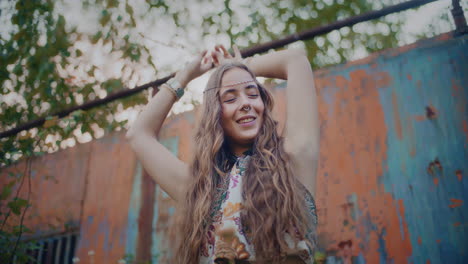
302,125
166,169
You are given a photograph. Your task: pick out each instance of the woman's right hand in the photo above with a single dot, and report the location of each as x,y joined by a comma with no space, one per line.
197,67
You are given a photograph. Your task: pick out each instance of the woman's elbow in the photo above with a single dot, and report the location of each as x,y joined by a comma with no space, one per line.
130,135
134,134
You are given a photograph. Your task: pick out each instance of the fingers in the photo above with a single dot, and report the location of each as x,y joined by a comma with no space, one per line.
217,57
203,53
204,56
237,53
223,49
221,55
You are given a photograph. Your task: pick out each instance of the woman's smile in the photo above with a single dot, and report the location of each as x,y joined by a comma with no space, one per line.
247,121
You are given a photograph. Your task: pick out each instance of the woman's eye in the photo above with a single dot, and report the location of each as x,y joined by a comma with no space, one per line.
253,95
229,100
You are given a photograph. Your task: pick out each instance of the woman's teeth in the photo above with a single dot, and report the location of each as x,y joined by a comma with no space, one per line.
246,120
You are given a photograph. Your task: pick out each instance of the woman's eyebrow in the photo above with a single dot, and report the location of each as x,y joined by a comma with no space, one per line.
233,90
251,86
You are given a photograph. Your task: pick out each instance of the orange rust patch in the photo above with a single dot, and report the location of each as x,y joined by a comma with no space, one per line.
465,128
455,88
436,181
420,117
341,82
457,224
455,203
419,241
438,241
359,173
409,77
428,262
459,175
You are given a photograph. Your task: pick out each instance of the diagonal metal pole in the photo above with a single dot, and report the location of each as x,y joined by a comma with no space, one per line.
308,34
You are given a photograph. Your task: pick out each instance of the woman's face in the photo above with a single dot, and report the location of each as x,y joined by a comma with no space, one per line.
242,107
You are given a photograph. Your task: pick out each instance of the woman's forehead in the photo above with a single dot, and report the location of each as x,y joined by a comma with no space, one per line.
235,76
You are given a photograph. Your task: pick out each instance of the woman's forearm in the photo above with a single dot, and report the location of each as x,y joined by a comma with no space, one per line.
150,120
275,64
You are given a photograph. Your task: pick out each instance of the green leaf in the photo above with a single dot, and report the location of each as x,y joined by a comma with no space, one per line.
6,191
105,17
50,121
96,37
129,9
112,3
112,85
18,70
17,204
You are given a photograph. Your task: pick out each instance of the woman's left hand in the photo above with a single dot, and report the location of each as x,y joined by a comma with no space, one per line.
221,56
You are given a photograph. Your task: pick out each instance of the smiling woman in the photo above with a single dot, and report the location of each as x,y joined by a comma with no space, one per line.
239,91
247,196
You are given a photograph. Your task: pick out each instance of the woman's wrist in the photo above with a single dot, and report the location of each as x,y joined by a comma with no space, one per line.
182,78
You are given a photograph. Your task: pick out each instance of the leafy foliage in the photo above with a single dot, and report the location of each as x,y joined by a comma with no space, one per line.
46,65
42,73
13,248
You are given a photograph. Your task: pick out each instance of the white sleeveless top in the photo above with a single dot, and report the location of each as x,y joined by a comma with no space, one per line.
226,239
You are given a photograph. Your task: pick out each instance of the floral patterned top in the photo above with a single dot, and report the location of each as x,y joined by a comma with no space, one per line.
231,243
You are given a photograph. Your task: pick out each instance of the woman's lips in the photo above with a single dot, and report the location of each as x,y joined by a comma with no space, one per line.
247,122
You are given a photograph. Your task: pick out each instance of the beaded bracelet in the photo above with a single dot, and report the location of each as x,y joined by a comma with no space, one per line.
176,89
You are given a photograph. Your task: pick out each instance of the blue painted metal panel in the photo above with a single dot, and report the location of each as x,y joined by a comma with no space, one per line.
435,76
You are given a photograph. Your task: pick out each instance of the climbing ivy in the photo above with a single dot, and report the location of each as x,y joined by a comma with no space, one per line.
13,206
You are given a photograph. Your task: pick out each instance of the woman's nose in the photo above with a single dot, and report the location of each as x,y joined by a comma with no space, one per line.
245,103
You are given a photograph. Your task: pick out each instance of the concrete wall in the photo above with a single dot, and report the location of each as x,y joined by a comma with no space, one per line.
394,138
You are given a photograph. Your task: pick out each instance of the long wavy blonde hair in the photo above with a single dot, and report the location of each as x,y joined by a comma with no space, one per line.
273,197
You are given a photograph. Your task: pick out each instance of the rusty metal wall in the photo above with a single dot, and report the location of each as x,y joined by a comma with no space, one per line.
391,185
394,137
87,187
393,152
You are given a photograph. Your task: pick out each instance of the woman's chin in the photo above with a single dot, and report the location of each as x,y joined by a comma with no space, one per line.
246,139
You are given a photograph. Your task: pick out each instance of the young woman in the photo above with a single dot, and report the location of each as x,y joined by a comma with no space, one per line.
247,196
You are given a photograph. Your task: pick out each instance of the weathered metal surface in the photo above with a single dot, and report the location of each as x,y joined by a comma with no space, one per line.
51,211
385,120
393,140
391,185
107,200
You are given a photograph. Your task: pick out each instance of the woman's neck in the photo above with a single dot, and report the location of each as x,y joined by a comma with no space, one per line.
239,150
